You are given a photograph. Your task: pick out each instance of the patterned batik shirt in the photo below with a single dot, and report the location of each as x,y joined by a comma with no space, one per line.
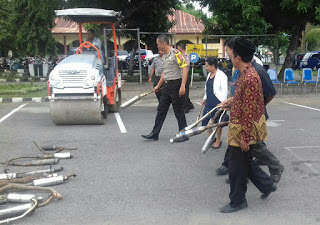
247,119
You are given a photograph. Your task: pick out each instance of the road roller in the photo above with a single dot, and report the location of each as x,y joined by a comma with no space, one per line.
85,86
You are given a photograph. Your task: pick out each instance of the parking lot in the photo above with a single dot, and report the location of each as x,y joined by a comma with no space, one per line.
124,179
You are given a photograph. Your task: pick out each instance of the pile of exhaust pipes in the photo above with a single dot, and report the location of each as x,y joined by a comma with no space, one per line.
21,193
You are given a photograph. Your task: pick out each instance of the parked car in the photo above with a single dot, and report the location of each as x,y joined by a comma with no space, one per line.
297,60
311,60
146,56
122,55
122,59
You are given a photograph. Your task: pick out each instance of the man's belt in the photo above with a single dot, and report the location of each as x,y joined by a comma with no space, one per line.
172,81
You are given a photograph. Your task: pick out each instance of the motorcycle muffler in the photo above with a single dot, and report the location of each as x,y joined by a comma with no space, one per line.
50,181
187,133
19,198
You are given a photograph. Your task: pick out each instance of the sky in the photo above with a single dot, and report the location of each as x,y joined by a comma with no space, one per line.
204,10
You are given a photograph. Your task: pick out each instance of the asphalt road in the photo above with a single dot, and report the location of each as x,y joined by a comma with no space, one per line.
123,179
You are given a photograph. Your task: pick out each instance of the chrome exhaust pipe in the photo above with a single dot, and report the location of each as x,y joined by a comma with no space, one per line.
211,137
50,181
9,176
135,99
187,133
202,118
209,141
17,210
22,198
62,155
44,182
21,211
41,162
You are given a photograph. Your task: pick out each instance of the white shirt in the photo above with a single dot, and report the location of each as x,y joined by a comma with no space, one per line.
220,86
258,60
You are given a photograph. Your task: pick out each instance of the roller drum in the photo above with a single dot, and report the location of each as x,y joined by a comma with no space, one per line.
76,112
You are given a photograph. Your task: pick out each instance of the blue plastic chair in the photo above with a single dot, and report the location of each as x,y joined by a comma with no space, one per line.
289,78
273,77
318,80
307,78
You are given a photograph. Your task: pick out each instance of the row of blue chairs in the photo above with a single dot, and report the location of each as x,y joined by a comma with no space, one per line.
307,78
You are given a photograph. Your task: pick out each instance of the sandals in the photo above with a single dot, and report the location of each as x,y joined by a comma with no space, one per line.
219,146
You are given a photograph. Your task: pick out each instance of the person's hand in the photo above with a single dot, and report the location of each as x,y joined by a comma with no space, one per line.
182,90
225,104
149,80
156,88
244,146
203,102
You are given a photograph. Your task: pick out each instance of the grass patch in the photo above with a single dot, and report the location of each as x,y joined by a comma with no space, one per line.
23,90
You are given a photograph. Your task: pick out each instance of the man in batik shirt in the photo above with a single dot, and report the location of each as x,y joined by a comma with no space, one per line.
247,128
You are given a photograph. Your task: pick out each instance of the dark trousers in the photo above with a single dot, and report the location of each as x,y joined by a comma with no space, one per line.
155,82
170,95
187,103
261,152
240,167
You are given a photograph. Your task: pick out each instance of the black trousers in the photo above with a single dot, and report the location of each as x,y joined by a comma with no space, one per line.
170,95
240,167
187,103
262,153
155,82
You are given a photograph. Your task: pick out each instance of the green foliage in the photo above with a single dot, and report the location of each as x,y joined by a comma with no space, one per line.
34,20
313,38
6,22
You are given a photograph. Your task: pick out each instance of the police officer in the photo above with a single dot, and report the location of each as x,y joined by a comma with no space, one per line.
187,103
156,69
174,79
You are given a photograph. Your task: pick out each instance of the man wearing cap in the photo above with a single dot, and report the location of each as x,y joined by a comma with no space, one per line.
261,152
174,78
247,127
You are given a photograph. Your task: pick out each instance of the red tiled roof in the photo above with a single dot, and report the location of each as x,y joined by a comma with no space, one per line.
65,27
185,23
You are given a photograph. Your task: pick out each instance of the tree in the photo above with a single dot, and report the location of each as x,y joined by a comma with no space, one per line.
266,16
312,38
6,36
33,21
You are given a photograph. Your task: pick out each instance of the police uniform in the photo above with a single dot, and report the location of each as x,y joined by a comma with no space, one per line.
187,103
157,64
173,62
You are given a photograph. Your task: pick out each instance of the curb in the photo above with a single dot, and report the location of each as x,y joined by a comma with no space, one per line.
15,100
17,80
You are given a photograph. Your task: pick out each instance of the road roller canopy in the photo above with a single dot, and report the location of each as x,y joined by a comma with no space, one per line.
87,15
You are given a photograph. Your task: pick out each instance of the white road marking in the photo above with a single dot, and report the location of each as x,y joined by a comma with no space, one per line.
120,123
302,106
299,158
272,124
13,111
